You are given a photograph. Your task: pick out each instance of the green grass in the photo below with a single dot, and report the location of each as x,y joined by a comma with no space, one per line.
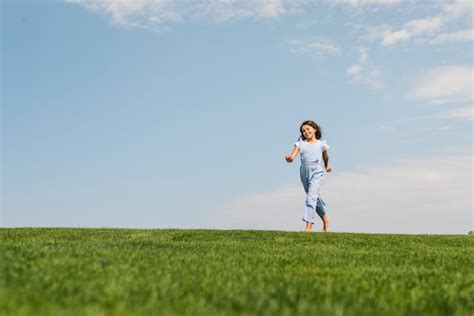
63,271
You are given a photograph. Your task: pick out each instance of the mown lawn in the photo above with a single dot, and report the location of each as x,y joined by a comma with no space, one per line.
64,271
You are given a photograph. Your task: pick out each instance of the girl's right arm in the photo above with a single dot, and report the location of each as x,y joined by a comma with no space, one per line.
292,155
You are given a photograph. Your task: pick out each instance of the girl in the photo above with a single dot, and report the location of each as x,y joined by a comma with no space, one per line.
311,150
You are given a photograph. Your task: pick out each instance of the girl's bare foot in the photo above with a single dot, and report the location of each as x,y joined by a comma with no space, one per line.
309,227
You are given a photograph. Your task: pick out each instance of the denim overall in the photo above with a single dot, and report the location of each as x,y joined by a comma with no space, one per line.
311,174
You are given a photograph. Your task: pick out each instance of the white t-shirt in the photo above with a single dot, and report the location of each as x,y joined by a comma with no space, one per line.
311,153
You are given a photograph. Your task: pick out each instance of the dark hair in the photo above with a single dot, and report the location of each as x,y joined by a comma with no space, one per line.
313,125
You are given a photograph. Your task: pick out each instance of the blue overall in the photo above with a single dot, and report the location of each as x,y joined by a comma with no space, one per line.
311,174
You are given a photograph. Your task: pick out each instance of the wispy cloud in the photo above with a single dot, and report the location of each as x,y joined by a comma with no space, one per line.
372,33
156,13
463,35
271,8
370,2
445,84
234,10
362,72
428,26
463,113
315,48
412,195
137,13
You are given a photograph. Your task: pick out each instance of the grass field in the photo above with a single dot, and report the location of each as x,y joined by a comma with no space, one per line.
63,271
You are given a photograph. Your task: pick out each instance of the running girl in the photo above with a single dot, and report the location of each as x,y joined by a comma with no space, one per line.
312,150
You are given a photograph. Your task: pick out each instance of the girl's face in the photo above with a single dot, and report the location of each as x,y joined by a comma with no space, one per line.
308,131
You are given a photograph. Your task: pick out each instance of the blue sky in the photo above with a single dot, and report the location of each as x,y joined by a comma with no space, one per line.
158,114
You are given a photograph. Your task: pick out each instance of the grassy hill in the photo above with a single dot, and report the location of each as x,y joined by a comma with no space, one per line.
63,271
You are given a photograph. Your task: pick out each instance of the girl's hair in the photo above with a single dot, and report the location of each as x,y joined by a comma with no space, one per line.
313,125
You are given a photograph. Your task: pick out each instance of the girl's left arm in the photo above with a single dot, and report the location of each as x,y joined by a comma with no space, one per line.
326,161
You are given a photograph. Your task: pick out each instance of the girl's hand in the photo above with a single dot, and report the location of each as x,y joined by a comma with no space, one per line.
289,158
328,168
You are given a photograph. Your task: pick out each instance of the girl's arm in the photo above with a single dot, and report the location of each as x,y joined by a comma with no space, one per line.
326,161
293,154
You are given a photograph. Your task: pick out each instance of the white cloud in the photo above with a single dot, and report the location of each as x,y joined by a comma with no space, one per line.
354,70
370,2
373,33
137,13
463,113
445,84
315,48
427,25
362,72
361,7
430,25
153,13
271,8
458,8
415,195
463,35
222,11
395,37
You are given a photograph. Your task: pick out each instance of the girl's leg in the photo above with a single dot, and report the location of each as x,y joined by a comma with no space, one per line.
309,213
310,204
325,220
321,210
